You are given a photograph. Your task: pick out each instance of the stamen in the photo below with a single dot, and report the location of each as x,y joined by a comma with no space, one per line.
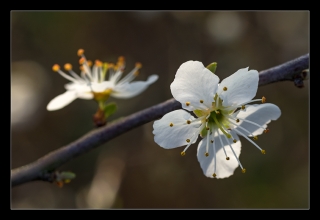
171,124
188,140
225,88
243,170
234,153
251,122
211,141
207,146
255,138
224,150
243,107
201,101
227,158
214,175
187,103
188,121
138,65
247,138
215,156
89,62
263,100
263,151
56,68
237,120
183,153
266,130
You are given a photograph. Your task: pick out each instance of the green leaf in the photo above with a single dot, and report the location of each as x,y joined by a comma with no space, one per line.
212,67
109,109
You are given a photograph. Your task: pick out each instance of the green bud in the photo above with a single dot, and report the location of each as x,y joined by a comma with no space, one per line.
212,67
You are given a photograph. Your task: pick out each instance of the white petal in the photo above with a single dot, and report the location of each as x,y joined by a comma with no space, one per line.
225,168
241,87
128,90
261,114
175,136
61,100
194,82
85,95
100,87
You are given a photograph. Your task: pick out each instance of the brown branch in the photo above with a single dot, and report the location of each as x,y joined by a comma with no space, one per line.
43,168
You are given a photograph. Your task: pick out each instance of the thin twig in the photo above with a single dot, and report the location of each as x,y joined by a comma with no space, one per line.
42,168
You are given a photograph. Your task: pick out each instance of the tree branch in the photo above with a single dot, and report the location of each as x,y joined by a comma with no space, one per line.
43,168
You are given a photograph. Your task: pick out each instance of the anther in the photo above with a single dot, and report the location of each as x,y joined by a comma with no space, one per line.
121,59
243,107
211,141
227,158
183,153
207,120
237,120
80,52
98,63
255,138
225,88
187,103
206,154
136,73
214,175
81,60
207,128
263,151
234,141
171,124
55,67
243,170
266,130
188,121
67,66
201,101
89,62
188,140
263,100
138,65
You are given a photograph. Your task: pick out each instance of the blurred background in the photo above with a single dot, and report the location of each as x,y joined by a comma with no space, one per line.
132,171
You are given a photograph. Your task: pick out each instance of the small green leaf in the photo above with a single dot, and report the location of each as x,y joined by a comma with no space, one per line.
109,109
212,67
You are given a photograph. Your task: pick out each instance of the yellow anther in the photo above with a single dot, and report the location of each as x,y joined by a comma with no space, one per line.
266,130
243,170
227,158
211,141
263,151
55,67
207,128
138,65
225,88
81,68
67,66
187,103
263,100
206,154
81,60
121,59
237,120
234,141
214,175
255,138
243,107
80,52
207,120
171,124
183,153
98,63
201,101
188,121
89,62
188,140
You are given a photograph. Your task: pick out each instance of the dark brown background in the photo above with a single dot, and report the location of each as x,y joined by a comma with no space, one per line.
132,171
